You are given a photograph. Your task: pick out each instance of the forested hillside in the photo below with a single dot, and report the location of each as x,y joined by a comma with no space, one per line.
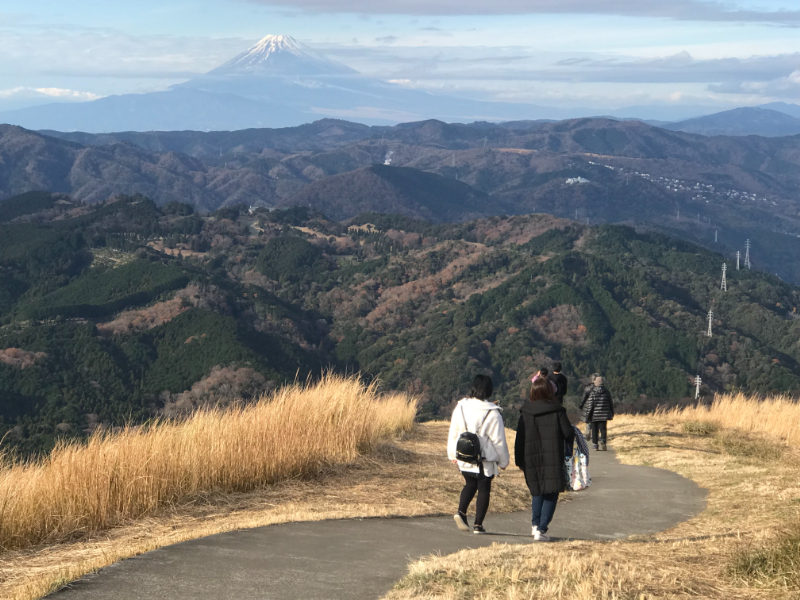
124,310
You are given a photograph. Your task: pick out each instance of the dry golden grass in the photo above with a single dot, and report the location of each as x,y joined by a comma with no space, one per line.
82,489
740,547
776,417
407,475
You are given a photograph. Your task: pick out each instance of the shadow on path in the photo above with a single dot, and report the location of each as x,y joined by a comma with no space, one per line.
360,559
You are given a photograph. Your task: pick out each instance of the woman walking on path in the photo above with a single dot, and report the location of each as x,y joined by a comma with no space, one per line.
543,435
599,410
477,415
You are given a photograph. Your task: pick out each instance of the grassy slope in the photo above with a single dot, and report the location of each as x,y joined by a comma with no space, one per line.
735,549
400,476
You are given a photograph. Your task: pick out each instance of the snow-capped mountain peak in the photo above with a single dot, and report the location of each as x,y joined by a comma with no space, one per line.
276,43
282,55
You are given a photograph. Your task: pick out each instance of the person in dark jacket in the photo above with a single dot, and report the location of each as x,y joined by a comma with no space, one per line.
560,382
543,435
586,391
599,410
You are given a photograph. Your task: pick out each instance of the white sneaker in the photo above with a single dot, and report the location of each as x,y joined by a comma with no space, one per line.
461,523
538,536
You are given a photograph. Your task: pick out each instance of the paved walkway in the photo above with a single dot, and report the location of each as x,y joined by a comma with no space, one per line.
361,559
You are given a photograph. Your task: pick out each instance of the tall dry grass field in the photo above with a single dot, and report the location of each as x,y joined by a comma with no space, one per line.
776,416
115,477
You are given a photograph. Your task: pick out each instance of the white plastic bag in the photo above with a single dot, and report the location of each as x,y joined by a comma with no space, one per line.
577,469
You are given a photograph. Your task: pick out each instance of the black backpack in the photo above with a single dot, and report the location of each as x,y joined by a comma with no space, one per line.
468,447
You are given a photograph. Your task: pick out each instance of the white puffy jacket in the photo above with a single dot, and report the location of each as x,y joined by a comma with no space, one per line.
468,415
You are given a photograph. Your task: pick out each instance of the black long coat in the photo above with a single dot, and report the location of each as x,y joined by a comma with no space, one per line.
543,433
599,405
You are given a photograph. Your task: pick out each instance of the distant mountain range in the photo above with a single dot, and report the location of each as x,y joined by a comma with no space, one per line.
742,121
700,188
280,82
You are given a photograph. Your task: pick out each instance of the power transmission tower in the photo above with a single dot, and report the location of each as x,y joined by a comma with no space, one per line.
747,254
724,286
710,321
738,254
576,214
679,214
715,236
697,382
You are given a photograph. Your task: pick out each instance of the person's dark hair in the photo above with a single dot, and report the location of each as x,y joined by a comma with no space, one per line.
543,372
557,367
542,390
481,387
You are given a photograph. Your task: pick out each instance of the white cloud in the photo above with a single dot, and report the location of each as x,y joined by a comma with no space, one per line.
683,10
22,96
781,88
63,94
99,54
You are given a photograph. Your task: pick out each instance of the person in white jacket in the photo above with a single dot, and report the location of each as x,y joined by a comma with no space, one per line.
477,415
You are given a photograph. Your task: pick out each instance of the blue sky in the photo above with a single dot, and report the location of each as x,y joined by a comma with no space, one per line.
604,54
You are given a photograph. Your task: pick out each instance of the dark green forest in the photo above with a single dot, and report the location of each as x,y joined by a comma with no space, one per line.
126,311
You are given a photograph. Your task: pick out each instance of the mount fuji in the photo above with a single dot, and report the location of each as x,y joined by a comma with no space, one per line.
281,55
278,82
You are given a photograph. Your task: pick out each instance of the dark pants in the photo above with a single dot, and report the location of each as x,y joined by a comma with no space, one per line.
475,482
542,510
599,430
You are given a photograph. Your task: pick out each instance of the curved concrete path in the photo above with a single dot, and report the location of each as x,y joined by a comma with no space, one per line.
361,559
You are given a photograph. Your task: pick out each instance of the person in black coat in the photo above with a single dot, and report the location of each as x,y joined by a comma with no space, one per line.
587,390
560,380
599,410
543,435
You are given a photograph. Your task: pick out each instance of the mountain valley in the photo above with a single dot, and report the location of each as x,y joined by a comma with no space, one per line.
124,310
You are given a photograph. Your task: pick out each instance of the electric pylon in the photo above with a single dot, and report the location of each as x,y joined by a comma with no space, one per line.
710,321
697,382
738,254
724,286
747,254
